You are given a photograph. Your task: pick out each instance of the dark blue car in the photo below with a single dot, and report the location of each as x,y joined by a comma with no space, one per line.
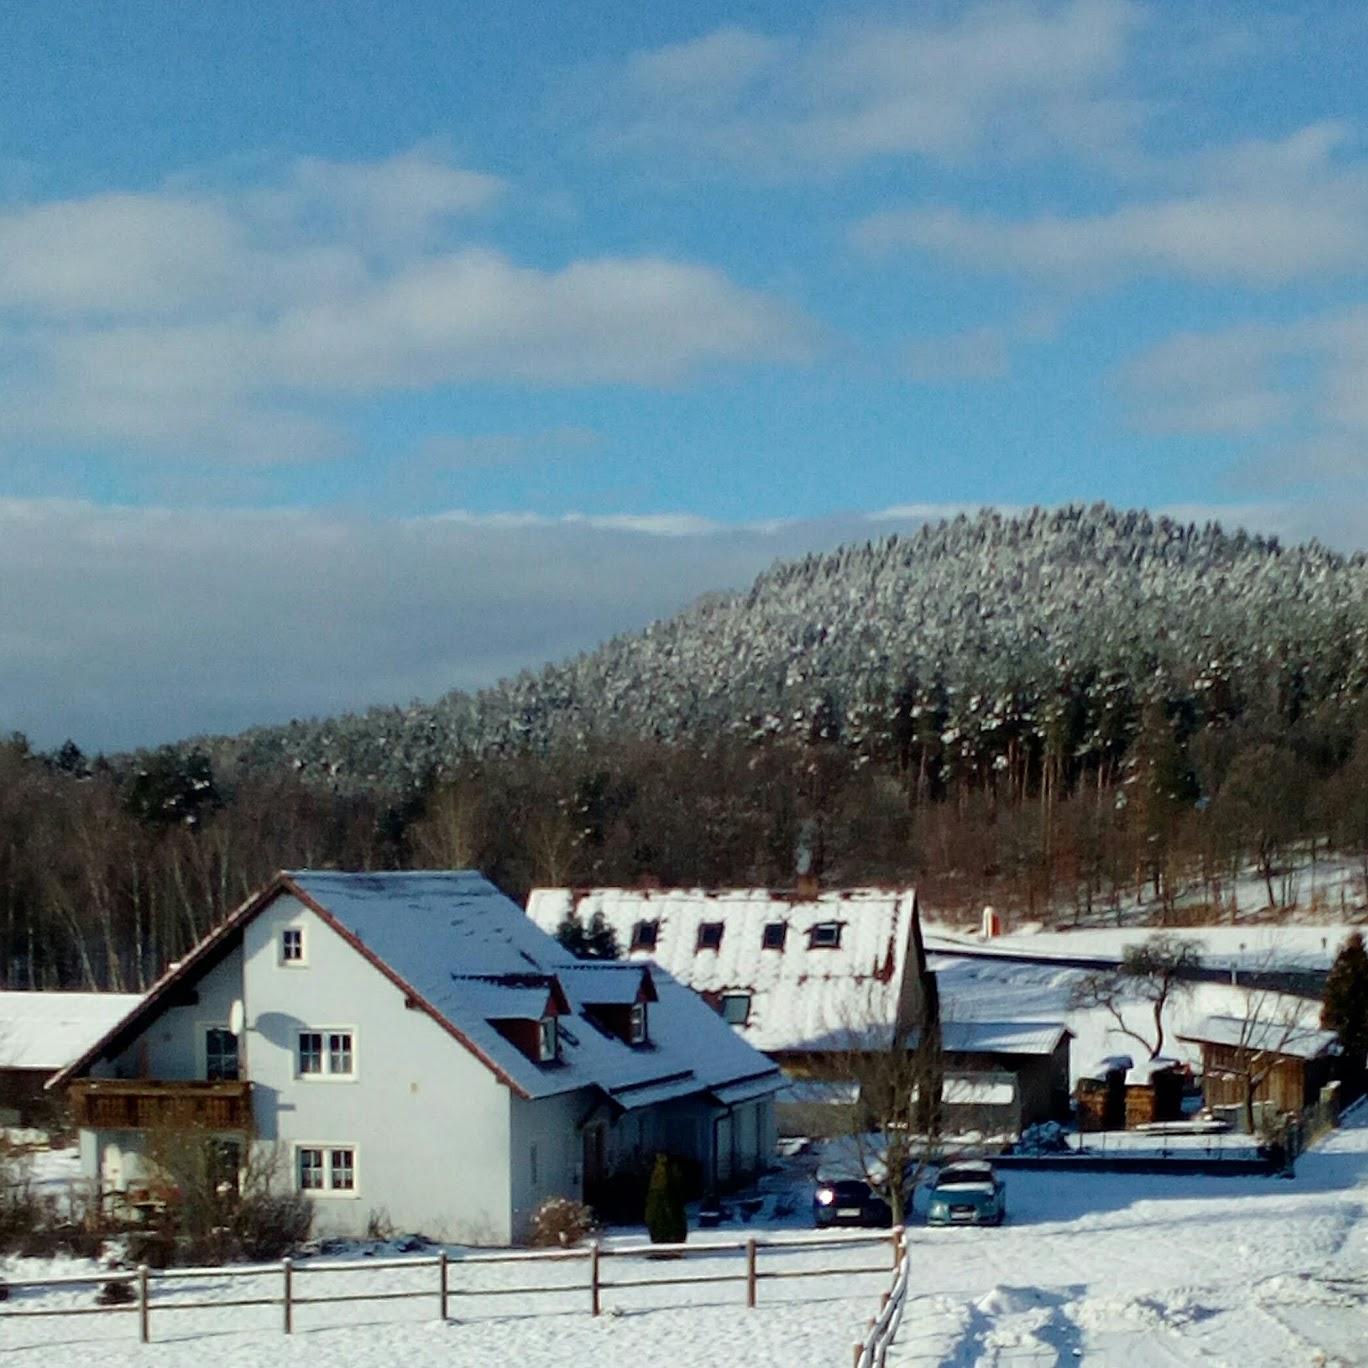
848,1202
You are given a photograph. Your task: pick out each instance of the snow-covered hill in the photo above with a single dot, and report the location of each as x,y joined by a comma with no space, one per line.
979,639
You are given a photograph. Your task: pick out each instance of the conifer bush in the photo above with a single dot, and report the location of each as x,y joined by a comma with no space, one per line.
665,1217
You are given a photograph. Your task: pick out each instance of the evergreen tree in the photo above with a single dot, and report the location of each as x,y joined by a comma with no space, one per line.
665,1216
1345,1008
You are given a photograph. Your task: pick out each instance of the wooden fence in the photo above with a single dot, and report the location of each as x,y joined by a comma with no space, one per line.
145,1283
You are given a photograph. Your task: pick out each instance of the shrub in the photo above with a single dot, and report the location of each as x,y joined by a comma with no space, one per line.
116,1292
560,1221
665,1217
272,1225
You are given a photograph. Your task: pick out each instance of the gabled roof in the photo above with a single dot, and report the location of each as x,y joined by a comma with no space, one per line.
1003,1037
461,951
803,996
46,1031
1271,1037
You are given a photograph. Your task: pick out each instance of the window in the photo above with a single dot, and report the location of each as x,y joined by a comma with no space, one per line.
774,935
311,1170
311,1053
327,1054
644,935
736,1008
225,1166
342,1170
339,1052
548,1040
327,1168
636,1030
825,936
292,945
709,935
220,1053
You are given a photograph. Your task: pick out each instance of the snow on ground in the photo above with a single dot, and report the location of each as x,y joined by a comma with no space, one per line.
1111,1269
1260,946
1122,1269
799,1320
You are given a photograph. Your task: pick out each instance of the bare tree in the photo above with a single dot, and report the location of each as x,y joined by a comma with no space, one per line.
1150,976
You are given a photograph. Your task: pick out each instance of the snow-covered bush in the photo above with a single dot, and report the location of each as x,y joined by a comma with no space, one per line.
560,1221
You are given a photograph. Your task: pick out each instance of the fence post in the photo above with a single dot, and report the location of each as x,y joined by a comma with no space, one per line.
144,1331
751,1274
442,1284
897,1234
593,1277
287,1272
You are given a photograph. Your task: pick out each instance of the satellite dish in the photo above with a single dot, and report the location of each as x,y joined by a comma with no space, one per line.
236,1017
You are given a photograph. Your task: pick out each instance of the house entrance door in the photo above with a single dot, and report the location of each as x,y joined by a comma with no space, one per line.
595,1162
722,1149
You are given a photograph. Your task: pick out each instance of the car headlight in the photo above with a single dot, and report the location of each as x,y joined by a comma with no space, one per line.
825,1196
938,1208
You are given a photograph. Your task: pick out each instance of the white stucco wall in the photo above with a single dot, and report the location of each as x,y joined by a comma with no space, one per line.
551,1125
430,1124
173,1046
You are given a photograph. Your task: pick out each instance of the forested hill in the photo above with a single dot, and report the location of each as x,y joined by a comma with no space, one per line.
1026,647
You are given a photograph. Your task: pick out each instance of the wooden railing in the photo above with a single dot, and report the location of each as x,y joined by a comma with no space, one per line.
145,1103
278,1284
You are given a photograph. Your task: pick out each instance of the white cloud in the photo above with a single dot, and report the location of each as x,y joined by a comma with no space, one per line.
1297,387
1260,213
1012,78
227,326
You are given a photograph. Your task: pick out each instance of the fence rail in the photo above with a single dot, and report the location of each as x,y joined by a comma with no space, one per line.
145,1282
883,1330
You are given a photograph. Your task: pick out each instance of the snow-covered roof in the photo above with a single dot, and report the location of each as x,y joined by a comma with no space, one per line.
467,954
804,995
46,1031
1295,1040
1002,1037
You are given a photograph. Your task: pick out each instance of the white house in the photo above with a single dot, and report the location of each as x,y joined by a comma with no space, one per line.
411,1044
796,976
807,976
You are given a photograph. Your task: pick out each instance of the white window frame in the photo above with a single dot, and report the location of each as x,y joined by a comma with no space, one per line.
325,1073
300,961
327,1148
639,1025
834,928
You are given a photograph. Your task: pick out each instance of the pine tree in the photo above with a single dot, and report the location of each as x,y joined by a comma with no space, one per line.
1345,1008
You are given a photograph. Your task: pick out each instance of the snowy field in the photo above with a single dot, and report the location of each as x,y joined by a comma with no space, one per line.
1097,1268
1126,1269
1260,946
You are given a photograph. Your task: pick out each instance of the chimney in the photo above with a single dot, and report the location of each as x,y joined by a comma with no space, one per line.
808,886
992,924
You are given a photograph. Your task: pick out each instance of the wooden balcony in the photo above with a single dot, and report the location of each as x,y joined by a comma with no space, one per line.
175,1104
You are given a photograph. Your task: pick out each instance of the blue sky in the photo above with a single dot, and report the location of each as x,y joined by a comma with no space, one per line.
604,306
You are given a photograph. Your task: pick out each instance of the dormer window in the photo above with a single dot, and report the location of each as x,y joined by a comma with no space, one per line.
636,1025
774,935
292,945
709,935
548,1040
644,935
736,1008
825,936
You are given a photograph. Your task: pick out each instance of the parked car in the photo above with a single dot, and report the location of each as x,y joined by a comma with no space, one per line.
848,1202
967,1193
